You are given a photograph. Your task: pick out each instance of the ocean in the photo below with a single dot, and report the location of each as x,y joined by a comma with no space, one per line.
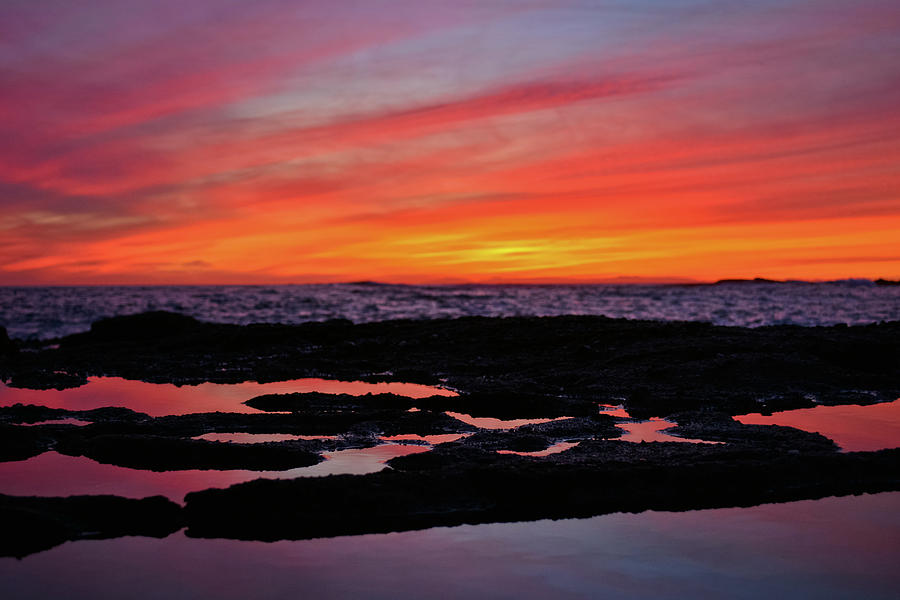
47,312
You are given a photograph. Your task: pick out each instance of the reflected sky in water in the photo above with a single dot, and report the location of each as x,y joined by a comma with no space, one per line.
438,438
853,428
653,431
835,548
63,421
158,399
54,474
492,423
241,437
554,449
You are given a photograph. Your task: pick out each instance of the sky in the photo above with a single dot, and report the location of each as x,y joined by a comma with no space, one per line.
222,141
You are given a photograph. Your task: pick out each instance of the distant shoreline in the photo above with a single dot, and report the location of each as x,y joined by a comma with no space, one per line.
625,282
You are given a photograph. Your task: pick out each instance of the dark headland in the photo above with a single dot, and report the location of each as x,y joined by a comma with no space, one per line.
696,374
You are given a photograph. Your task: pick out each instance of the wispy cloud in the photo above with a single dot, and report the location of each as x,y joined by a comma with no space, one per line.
438,140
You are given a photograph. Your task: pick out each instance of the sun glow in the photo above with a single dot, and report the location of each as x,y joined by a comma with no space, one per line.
722,145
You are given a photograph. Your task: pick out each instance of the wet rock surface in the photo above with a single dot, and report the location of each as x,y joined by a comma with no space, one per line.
694,374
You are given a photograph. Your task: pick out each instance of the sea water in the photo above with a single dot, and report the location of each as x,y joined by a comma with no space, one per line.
45,312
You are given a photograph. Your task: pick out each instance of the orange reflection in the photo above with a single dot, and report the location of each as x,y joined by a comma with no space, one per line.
439,438
554,449
853,428
158,399
53,474
653,431
241,437
492,423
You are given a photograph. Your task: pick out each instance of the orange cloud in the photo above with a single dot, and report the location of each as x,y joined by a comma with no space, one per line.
237,150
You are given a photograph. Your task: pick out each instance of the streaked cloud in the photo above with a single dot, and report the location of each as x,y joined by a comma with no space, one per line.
433,141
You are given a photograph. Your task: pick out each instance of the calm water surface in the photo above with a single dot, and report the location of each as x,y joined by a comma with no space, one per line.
54,474
853,428
159,399
834,548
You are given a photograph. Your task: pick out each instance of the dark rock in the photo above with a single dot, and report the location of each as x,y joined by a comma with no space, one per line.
32,524
504,368
511,405
527,489
31,413
316,401
46,379
143,326
6,344
159,453
20,443
519,367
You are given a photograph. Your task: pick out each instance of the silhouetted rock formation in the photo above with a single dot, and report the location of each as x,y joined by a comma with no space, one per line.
510,368
522,366
632,478
6,345
34,524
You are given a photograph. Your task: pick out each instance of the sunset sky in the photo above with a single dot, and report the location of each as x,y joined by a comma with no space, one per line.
213,141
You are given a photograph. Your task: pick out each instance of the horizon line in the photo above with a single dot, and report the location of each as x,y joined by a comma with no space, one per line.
625,281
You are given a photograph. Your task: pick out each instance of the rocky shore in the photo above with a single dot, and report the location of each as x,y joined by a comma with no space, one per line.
694,374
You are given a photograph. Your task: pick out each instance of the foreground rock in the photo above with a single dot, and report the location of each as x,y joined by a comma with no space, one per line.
34,524
521,488
521,366
697,375
161,453
6,345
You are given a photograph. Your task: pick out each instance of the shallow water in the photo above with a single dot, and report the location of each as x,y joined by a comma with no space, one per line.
853,428
43,312
159,399
835,548
54,474
64,421
554,449
492,423
359,461
614,411
653,431
241,437
438,438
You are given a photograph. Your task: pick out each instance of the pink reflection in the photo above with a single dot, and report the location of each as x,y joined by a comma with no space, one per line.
492,423
64,421
554,449
259,438
158,399
652,431
853,428
53,474
614,410
440,438
360,461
